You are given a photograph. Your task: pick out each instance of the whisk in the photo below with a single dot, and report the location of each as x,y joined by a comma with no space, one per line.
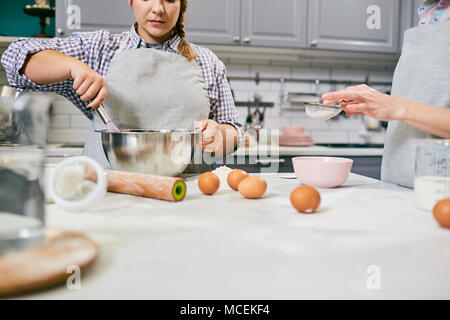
106,119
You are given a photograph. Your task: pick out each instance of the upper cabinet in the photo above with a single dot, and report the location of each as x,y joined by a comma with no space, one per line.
247,22
270,23
87,15
350,25
354,25
213,21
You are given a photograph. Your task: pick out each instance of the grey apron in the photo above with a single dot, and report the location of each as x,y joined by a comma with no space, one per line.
150,89
422,74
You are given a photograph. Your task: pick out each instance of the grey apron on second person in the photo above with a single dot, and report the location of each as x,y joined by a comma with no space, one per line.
150,89
422,74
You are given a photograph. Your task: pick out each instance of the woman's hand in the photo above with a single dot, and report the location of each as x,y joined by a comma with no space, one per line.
88,84
219,139
212,139
363,100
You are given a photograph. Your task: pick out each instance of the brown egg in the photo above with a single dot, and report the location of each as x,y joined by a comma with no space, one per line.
252,187
235,177
305,199
208,183
441,213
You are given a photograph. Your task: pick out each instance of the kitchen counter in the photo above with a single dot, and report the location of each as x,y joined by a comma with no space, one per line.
58,150
228,247
307,151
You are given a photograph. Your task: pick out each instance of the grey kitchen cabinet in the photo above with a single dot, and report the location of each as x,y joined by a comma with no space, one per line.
91,15
270,23
247,22
321,24
213,21
354,25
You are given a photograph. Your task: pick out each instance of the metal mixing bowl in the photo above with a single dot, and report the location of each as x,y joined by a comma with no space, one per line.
159,152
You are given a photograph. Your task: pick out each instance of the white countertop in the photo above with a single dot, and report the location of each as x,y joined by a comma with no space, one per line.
307,151
261,150
228,247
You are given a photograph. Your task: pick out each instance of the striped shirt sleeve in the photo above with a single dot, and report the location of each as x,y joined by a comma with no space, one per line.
223,109
87,47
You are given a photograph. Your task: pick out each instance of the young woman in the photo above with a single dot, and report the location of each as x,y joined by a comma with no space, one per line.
419,106
149,77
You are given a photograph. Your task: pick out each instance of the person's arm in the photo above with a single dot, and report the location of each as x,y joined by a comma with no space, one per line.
50,67
36,58
363,100
218,139
426,117
225,126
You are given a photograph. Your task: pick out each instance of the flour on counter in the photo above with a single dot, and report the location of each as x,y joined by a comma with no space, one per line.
222,172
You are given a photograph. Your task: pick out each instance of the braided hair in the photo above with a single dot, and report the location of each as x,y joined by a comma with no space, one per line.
184,48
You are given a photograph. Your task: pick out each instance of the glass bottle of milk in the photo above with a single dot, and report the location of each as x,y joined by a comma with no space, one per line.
432,172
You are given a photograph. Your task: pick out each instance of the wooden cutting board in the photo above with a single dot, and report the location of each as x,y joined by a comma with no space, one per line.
46,265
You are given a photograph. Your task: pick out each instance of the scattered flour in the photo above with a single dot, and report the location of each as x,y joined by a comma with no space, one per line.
222,172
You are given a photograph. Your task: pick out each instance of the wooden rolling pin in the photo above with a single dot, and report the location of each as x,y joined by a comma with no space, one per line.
139,184
146,185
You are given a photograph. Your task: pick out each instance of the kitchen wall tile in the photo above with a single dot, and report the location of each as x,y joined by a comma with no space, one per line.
311,73
342,123
59,121
240,59
238,70
294,114
65,107
79,122
239,95
251,86
329,136
294,63
75,136
374,137
276,122
348,74
310,124
270,71
382,76
242,112
298,87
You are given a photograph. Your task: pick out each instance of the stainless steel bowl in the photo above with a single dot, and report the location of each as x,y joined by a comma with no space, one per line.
159,152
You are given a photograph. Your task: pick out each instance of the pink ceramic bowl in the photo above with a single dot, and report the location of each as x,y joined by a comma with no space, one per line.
292,131
322,172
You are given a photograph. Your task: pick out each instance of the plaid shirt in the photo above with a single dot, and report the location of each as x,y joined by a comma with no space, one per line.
434,11
96,49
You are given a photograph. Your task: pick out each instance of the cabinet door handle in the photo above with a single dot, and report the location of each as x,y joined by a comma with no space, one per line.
247,40
313,43
236,39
